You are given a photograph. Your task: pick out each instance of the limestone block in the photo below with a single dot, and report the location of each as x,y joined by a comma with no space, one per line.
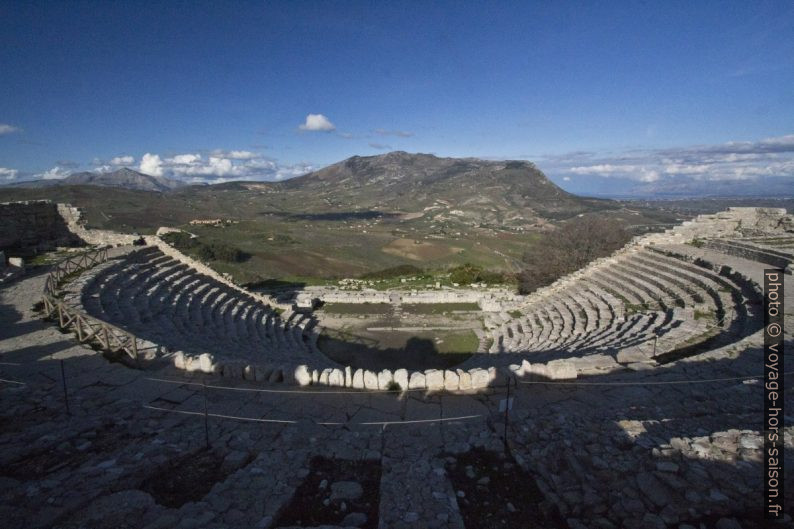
302,375
277,375
595,364
451,380
324,376
384,378
192,364
358,379
496,377
417,380
336,378
315,376
537,371
561,370
401,378
348,377
205,362
480,378
525,367
434,379
248,373
179,360
465,379
370,379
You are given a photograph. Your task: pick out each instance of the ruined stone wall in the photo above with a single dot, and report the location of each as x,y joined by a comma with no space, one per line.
73,218
33,226
201,268
734,222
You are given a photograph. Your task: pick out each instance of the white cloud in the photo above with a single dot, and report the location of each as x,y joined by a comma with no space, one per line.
122,160
725,162
56,173
186,159
603,169
632,172
8,174
241,155
380,146
399,133
151,164
787,140
219,166
317,122
7,129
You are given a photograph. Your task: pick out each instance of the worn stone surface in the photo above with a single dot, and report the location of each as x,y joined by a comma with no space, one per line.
646,448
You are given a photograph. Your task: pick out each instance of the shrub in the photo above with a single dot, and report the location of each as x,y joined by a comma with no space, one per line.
215,251
394,271
467,274
568,249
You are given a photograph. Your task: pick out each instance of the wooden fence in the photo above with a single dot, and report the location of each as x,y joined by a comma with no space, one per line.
87,328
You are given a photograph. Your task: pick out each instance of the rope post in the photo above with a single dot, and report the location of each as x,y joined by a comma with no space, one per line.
507,412
65,392
441,412
206,418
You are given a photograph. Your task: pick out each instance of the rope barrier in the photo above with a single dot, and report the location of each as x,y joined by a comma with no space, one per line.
324,423
647,383
12,382
291,391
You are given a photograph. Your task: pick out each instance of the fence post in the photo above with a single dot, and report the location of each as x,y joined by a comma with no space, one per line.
206,419
134,347
507,411
65,392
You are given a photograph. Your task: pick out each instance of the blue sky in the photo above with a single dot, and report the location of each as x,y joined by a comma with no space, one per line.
598,94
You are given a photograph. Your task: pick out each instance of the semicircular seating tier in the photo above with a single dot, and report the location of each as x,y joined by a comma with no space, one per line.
190,314
639,307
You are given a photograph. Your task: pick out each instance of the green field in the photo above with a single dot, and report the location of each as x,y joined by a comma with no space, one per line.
438,308
357,308
398,349
317,234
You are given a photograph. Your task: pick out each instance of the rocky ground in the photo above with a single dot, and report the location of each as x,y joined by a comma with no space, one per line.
677,446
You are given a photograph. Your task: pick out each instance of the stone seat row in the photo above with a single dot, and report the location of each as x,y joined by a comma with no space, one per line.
638,297
169,303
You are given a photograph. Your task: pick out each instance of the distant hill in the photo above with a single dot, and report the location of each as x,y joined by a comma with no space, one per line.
124,178
436,196
472,190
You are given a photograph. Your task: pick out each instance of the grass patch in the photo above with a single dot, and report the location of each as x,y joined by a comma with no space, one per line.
394,272
357,308
396,349
700,314
459,343
438,308
213,251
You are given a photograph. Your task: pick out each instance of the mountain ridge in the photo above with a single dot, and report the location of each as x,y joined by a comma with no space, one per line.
125,178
